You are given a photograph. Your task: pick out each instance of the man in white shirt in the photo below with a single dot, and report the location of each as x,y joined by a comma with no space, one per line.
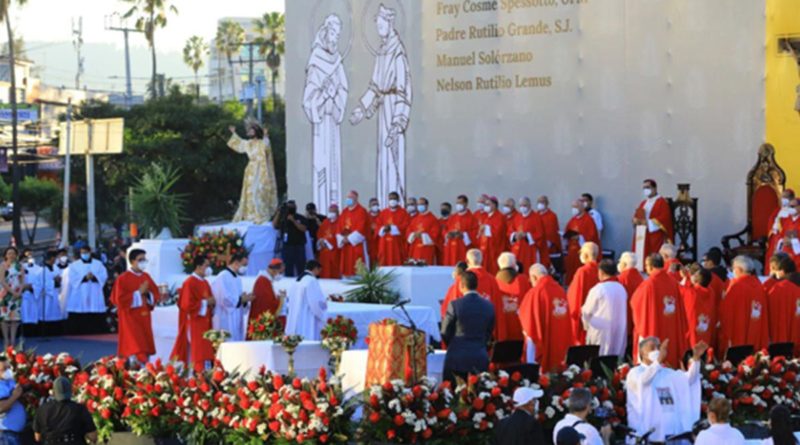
307,304
580,406
588,204
232,302
605,312
721,431
661,399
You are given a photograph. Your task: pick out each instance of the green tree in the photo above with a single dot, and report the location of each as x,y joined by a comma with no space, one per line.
194,54
37,196
150,15
5,191
229,40
271,40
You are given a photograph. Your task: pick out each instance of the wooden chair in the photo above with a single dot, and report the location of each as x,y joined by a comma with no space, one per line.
781,350
765,183
529,371
735,354
582,356
506,353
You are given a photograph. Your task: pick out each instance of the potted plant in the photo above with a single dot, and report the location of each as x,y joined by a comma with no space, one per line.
372,286
157,207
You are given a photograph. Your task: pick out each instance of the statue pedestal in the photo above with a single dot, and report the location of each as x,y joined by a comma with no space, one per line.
163,257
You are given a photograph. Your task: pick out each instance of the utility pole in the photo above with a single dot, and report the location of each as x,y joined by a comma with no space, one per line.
67,167
250,61
77,42
114,23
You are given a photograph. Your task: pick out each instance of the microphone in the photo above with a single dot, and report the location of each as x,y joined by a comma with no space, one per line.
401,303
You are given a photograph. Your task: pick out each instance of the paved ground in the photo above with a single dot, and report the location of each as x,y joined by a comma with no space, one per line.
86,348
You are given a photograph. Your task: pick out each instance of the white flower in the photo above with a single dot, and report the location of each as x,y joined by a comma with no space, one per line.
550,412
478,417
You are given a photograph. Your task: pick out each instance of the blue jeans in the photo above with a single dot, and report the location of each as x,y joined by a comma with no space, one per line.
9,438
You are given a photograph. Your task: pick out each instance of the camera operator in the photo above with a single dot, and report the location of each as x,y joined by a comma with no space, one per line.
62,421
313,221
292,228
12,414
580,406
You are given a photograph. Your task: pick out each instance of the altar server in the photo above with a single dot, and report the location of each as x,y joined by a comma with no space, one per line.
604,314
662,399
743,315
584,280
233,303
196,311
85,278
30,299
545,320
307,305
492,234
351,235
45,286
423,234
580,229
265,298
135,295
391,224
459,233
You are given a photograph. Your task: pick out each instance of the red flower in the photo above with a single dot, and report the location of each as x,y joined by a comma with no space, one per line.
398,420
105,413
473,379
374,417
391,434
477,404
544,381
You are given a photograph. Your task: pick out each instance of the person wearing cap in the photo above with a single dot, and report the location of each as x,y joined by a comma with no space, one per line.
12,414
327,246
492,234
62,421
579,404
605,312
569,436
721,431
266,299
521,427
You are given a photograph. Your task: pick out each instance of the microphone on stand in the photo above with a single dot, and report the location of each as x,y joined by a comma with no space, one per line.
401,303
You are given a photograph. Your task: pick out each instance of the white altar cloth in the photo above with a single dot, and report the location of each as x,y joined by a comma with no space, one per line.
424,286
249,356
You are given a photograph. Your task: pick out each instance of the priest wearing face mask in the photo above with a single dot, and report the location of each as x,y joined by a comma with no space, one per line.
579,230
780,221
423,234
372,238
392,223
196,310
526,236
509,209
233,301
445,210
135,295
551,227
266,299
411,206
352,231
655,215
492,235
459,233
85,279
327,246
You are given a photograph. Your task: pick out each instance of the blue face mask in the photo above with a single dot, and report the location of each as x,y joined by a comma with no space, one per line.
85,256
348,202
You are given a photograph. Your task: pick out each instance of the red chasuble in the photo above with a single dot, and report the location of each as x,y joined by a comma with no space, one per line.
701,314
783,300
550,224
662,217
668,266
521,248
545,319
584,280
440,242
783,225
718,286
135,328
372,238
353,220
329,252
658,311
492,246
630,278
190,346
454,248
511,293
392,248
453,293
584,226
265,298
417,250
743,314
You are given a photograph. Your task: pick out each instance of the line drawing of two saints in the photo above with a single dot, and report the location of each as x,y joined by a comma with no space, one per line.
388,96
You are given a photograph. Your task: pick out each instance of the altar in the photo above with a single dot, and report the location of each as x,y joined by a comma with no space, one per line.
249,356
423,286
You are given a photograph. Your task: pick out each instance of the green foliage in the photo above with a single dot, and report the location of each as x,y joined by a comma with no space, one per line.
5,191
37,196
155,204
374,286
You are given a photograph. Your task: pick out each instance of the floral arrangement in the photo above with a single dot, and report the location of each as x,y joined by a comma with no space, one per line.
38,372
153,400
217,337
217,246
205,405
265,327
289,342
103,390
339,333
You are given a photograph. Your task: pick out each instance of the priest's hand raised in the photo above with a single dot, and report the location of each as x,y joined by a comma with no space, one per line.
662,351
699,349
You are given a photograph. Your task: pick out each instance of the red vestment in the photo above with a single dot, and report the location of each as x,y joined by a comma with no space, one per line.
329,257
630,278
584,226
372,238
392,247
658,311
545,320
668,266
487,288
354,224
585,279
265,298
454,249
511,298
495,243
135,327
527,253
550,224
661,216
743,315
778,226
701,314
718,286
768,284
453,293
417,249
783,300
190,346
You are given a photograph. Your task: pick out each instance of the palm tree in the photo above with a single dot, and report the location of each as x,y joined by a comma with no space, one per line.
150,14
194,54
12,96
271,32
229,40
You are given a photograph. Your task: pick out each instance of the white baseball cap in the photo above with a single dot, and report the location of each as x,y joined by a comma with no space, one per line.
524,396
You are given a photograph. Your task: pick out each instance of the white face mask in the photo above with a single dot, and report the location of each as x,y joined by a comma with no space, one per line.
506,210
393,203
791,211
332,216
278,277
575,211
142,264
63,259
524,209
487,208
208,272
540,206
459,208
653,355
647,192
375,209
243,270
411,208
585,205
785,202
422,208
